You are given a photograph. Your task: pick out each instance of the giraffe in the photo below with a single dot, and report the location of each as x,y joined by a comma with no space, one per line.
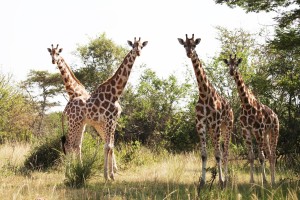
213,113
72,85
257,119
101,110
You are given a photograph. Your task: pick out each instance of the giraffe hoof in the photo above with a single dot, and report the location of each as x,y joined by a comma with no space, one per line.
112,176
222,184
115,168
105,176
201,184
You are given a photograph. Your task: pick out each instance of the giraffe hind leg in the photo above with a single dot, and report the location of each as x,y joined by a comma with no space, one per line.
272,159
218,153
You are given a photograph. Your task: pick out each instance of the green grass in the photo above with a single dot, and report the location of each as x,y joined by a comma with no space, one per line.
145,176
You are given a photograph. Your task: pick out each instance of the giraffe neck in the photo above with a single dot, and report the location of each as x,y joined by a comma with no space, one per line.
73,86
119,80
246,96
204,85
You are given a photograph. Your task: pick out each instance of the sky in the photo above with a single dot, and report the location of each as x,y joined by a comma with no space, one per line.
29,27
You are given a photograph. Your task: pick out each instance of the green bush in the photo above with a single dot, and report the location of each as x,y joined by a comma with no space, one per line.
77,173
45,155
129,155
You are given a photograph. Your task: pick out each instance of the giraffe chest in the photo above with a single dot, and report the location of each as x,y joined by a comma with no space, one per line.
252,118
102,110
209,110
209,105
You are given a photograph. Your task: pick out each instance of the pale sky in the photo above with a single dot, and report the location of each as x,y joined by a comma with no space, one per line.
29,27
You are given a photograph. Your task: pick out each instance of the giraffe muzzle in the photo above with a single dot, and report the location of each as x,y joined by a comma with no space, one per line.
189,55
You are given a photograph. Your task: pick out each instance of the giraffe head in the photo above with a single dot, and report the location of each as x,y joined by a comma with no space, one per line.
189,44
232,63
137,46
54,52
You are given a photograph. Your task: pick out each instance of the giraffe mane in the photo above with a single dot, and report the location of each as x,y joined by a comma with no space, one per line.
73,75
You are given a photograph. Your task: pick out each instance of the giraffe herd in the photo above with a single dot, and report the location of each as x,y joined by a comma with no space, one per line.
214,115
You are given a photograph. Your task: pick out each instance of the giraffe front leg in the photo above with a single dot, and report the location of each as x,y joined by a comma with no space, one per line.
218,154
226,132
115,168
111,162
262,146
248,140
201,129
106,155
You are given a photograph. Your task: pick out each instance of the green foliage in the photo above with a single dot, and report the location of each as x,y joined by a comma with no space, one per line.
181,132
101,57
48,85
288,11
284,69
45,155
77,173
149,110
17,113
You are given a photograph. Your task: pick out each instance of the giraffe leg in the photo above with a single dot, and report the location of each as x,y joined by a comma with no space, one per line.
226,137
106,153
248,139
272,159
218,153
201,128
111,162
78,140
262,145
74,138
115,168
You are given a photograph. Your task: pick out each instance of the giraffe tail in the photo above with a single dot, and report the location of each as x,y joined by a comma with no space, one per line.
63,137
62,123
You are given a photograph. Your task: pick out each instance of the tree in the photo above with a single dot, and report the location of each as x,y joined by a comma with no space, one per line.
288,10
42,86
101,57
17,114
284,68
149,111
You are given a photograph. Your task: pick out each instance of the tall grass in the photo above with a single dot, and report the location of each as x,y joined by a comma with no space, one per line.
146,175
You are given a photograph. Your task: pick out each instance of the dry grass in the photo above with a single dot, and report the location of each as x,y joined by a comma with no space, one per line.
170,177
13,154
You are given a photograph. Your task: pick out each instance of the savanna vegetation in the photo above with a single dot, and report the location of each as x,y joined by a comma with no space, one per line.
156,141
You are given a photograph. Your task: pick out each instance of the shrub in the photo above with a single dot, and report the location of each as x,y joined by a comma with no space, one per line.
45,154
77,173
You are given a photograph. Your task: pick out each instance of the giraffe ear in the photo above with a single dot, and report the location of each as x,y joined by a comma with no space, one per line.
49,50
181,41
145,43
60,50
130,43
239,61
197,41
225,61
